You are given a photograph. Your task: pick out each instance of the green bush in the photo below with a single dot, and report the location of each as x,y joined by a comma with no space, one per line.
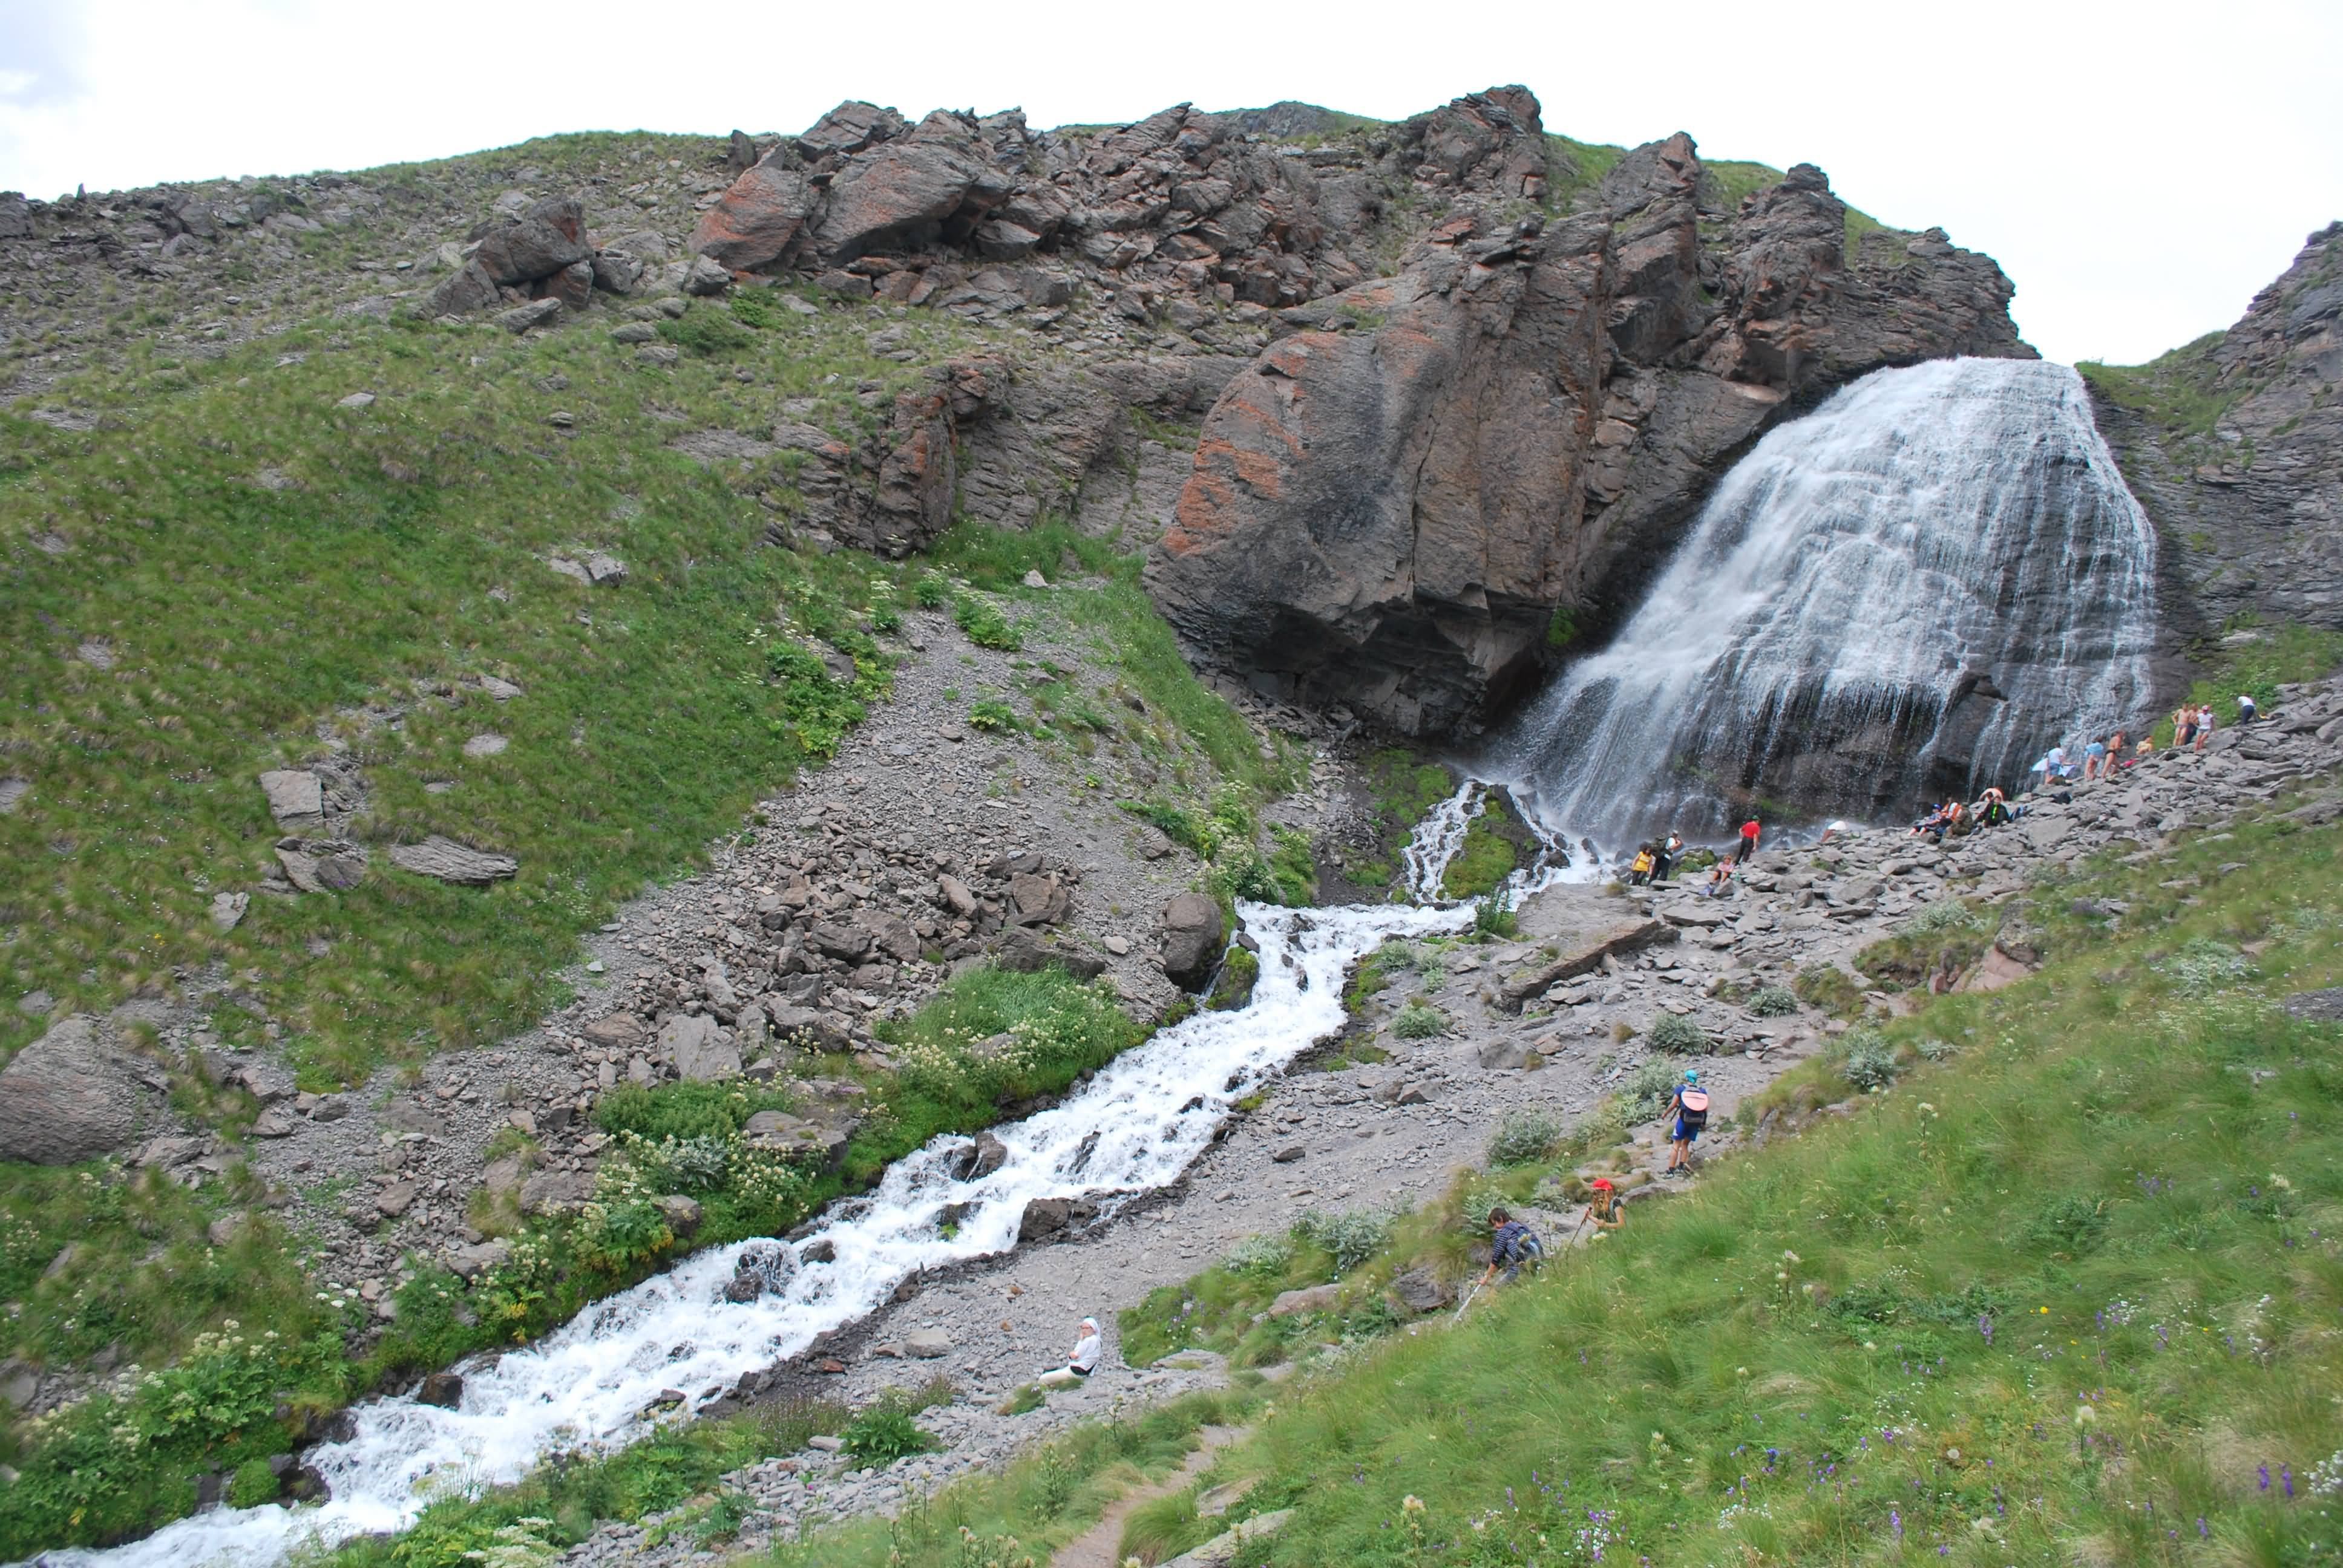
760,308
253,1484
1525,1135
707,334
884,1433
930,590
1868,1061
1773,1001
993,714
1419,1021
2207,966
1944,915
1493,916
1678,1036
1258,1257
986,627
1350,1238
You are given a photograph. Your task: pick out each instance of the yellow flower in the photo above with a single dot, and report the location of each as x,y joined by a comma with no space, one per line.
1411,1504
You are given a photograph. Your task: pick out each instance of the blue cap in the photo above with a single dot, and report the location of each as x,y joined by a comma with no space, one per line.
1690,1076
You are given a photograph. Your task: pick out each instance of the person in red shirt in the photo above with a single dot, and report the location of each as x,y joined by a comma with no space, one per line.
1748,844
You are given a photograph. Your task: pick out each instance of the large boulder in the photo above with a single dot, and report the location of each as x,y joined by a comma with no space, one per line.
1389,508
696,1049
71,1096
759,218
937,183
1193,936
549,236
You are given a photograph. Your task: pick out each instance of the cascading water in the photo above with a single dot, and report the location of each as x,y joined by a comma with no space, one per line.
1136,1126
1907,591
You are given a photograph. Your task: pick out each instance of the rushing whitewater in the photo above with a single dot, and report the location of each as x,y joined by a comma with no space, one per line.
1136,1126
1914,590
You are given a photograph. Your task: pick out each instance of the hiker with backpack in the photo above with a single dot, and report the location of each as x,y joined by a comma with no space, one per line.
1688,1112
1511,1244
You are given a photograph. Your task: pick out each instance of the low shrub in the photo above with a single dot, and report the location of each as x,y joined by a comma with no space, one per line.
1678,1036
1525,1135
1419,1021
1258,1257
1868,1061
1352,1237
884,1433
706,333
1493,916
1944,915
986,627
993,714
2205,967
1773,1001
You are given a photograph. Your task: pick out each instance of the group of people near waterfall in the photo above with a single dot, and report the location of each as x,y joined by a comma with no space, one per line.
2101,757
1655,860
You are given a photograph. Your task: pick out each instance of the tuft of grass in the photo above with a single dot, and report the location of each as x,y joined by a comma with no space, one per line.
1419,1020
1678,1036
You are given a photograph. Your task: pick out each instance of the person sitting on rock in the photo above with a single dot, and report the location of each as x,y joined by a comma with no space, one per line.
1084,1362
1511,1244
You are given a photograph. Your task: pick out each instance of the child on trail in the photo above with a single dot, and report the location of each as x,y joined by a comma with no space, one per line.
2247,709
1511,1244
1603,1211
1720,879
1641,871
1688,1109
1748,844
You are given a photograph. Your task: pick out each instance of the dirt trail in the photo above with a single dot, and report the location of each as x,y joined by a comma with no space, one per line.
1099,1546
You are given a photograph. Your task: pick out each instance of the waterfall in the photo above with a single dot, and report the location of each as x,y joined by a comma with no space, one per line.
1134,1126
1911,591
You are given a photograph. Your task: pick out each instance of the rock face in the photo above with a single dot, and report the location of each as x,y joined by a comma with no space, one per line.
70,1096
2251,511
1391,503
451,862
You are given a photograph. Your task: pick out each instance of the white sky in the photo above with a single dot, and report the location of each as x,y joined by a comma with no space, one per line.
2139,169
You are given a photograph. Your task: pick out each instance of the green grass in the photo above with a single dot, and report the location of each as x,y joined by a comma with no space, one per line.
249,625
1493,846
2112,1188
1403,789
1022,1514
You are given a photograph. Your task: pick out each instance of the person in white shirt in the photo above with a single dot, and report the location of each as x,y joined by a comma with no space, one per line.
1083,1362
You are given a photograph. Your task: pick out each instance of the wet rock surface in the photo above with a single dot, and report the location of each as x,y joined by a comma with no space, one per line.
1388,508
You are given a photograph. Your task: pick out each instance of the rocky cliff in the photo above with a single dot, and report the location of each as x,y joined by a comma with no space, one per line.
1432,476
1465,380
2235,446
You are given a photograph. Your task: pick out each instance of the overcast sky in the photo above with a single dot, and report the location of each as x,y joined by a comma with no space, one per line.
2138,169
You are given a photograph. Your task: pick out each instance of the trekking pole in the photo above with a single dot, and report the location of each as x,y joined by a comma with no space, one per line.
1468,1297
1580,1226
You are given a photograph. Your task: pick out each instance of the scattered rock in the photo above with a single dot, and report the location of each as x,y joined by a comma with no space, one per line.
691,1044
1289,1154
1192,937
229,908
1420,1290
444,1388
486,744
295,797
1309,1299
928,1344
69,1096
450,861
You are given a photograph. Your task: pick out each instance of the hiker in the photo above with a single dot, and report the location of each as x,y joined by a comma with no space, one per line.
2118,745
2094,759
1689,1109
1666,860
1604,1210
1084,1362
1720,881
1641,871
2184,728
2204,724
1511,1244
1993,809
2247,709
1748,844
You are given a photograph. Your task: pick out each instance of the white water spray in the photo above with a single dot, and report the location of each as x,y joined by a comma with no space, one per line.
1912,589
1136,1126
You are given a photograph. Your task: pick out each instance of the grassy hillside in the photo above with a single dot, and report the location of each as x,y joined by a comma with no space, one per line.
2063,1289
